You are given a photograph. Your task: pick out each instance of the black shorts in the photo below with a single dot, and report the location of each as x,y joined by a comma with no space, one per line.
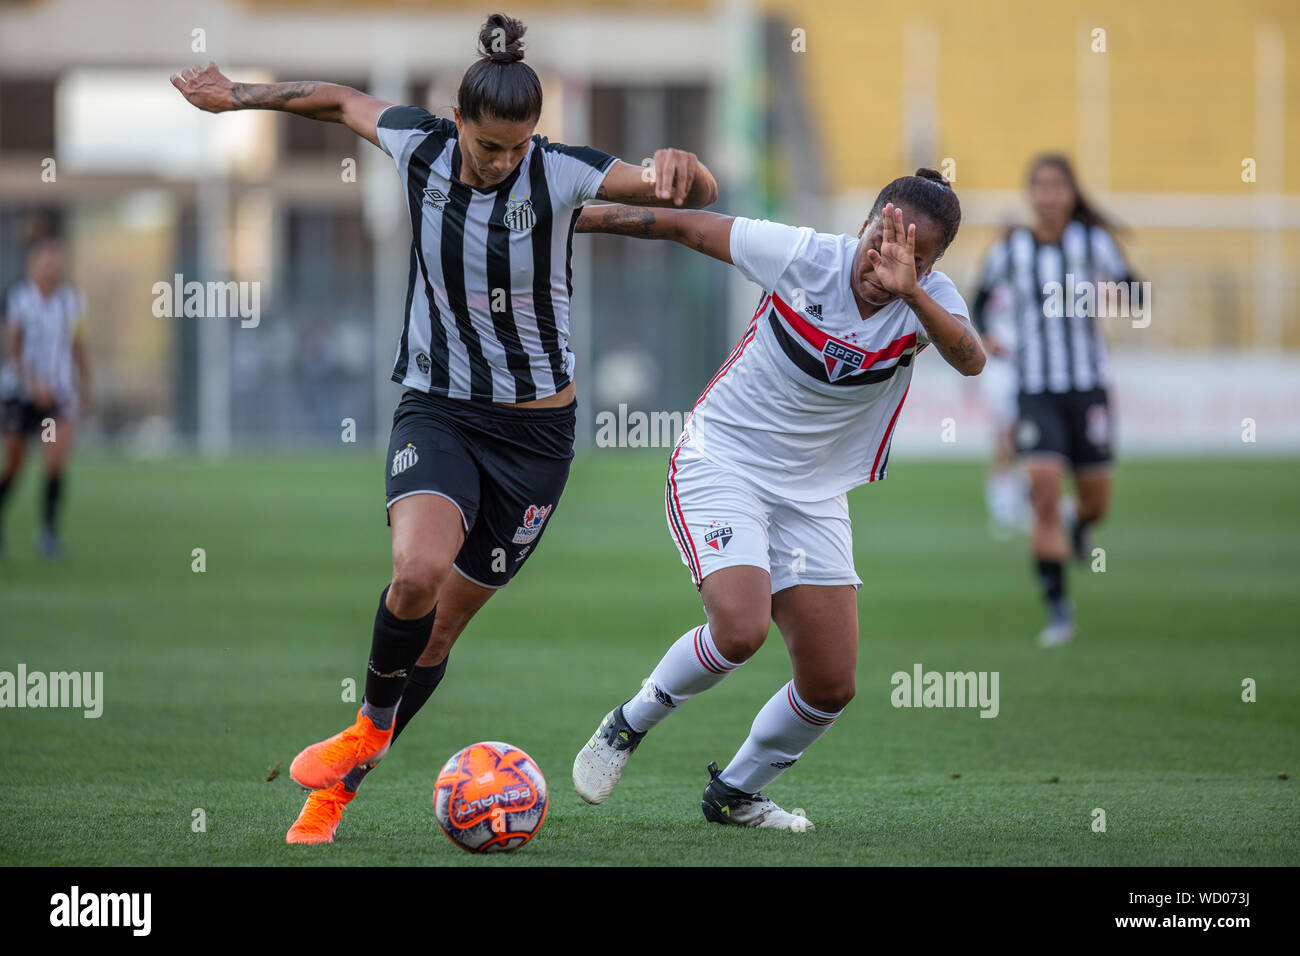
1075,425
504,468
20,415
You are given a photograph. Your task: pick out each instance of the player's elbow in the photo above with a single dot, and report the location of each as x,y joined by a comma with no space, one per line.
976,364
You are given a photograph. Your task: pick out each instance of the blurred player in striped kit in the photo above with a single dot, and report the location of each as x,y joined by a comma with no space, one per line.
1064,422
1006,492
45,381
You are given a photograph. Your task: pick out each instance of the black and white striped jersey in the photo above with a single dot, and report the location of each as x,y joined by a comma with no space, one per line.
487,305
47,327
1056,349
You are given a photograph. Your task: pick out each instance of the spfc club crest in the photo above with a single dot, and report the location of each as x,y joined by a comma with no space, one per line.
534,518
520,215
841,359
717,536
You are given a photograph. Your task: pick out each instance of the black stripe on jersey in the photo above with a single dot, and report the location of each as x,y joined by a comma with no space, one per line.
503,323
815,369
1089,347
568,253
1067,343
594,158
417,178
453,278
543,304
413,117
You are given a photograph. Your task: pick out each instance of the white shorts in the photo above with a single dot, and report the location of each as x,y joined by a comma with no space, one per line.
719,519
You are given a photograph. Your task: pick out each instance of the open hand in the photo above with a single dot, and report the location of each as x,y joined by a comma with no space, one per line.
206,88
895,263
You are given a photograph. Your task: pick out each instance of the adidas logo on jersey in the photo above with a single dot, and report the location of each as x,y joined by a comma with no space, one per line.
404,459
815,310
435,198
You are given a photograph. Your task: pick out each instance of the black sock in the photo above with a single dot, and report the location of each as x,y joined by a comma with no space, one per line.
419,688
1080,529
394,649
53,487
1051,578
5,485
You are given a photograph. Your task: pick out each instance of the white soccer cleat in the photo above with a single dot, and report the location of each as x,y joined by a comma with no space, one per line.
725,804
600,763
1057,633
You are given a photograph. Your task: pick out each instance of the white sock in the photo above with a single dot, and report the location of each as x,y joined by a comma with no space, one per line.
782,731
692,665
1005,496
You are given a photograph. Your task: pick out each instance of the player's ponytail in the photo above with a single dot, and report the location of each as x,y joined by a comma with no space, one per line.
927,193
500,84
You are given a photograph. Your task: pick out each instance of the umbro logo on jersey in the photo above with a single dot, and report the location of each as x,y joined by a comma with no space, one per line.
815,310
520,215
435,198
841,359
404,459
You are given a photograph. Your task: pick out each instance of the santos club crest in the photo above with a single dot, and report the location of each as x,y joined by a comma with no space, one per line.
841,359
520,215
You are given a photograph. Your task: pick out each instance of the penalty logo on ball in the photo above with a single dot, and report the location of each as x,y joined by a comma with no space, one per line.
490,797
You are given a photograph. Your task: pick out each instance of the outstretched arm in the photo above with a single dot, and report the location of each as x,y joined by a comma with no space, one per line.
213,92
706,232
677,178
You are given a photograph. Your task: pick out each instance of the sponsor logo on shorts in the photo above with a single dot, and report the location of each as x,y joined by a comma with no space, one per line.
534,517
841,359
404,459
718,536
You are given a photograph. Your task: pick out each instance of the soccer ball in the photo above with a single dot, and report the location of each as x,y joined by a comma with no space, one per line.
490,797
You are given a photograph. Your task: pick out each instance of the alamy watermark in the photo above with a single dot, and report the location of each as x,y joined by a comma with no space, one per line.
1098,300
946,689
58,689
208,300
638,429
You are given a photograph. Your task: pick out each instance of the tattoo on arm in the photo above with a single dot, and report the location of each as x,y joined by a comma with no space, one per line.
964,351
634,221
272,96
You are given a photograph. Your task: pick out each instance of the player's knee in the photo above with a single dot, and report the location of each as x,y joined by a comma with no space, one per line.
738,636
1046,505
831,695
417,578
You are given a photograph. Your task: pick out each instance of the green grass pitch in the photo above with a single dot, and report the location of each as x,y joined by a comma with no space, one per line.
212,679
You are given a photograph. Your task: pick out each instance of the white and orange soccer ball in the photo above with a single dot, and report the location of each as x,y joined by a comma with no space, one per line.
490,797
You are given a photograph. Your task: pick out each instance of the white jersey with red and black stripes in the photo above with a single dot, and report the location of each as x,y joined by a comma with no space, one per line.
807,402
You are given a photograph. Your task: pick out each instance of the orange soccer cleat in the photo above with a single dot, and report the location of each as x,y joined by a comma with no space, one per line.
326,763
320,816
